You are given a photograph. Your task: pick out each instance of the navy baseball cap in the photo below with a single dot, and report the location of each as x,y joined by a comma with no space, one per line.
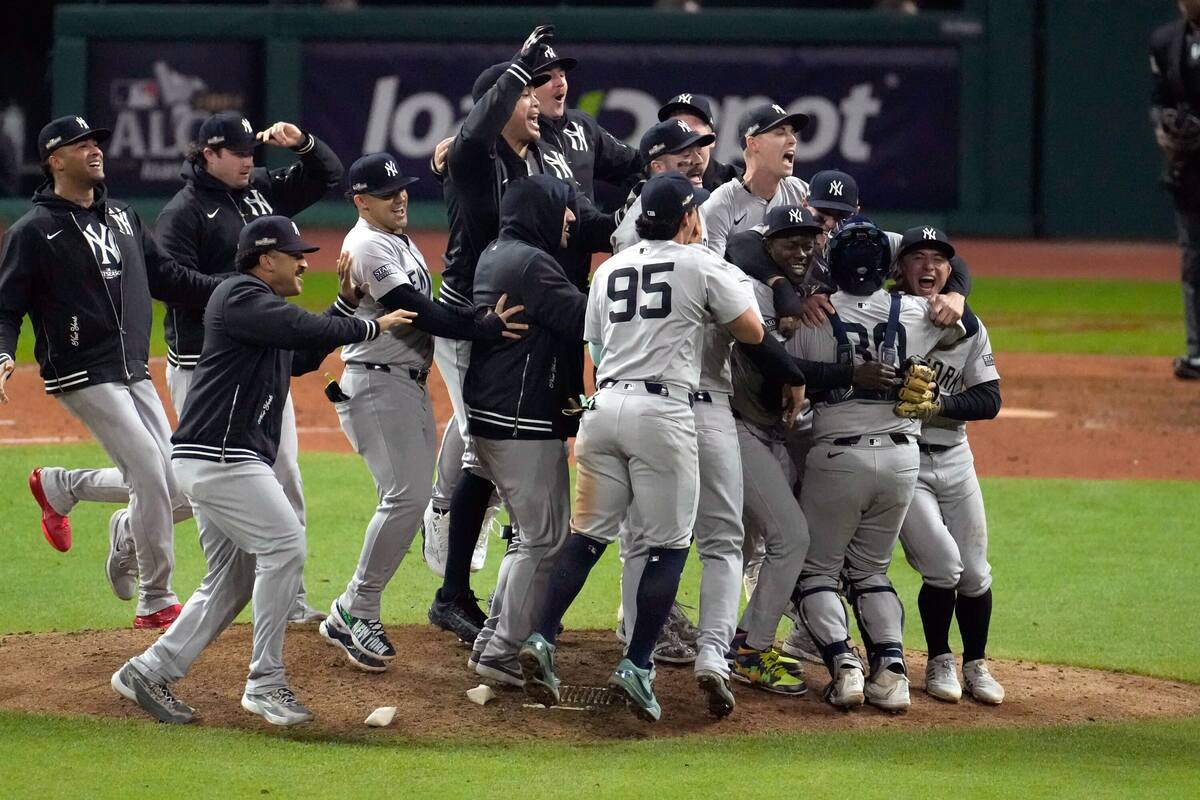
228,129
263,234
487,79
925,236
548,59
67,130
783,220
671,137
376,174
697,105
668,196
768,117
833,190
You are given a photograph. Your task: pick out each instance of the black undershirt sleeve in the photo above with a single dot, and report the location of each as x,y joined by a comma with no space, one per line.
773,361
981,401
440,319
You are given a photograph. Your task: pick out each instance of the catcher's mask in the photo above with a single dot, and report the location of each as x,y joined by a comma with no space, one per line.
859,256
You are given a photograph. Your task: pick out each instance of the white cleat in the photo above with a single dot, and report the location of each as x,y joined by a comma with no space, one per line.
888,690
435,530
846,689
941,680
980,684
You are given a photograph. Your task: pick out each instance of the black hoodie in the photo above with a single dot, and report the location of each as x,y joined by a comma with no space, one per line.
518,388
199,227
85,277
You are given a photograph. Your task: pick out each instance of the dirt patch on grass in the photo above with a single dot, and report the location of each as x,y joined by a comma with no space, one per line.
429,681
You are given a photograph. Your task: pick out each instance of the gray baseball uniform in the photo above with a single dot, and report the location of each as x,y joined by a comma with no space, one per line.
945,531
733,208
636,448
860,477
388,418
718,527
770,507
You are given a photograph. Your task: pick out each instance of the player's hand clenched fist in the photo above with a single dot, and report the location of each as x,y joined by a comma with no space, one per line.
918,397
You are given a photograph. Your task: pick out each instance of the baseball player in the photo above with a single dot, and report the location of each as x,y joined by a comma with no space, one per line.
83,267
254,341
833,197
861,471
498,142
515,400
637,442
666,147
384,407
768,134
945,531
199,228
696,111
1175,99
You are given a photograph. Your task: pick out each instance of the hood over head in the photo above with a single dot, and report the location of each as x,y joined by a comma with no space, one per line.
531,211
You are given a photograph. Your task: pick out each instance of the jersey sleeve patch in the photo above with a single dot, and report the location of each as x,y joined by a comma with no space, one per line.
379,273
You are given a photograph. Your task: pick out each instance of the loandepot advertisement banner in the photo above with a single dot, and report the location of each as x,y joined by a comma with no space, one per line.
887,115
153,95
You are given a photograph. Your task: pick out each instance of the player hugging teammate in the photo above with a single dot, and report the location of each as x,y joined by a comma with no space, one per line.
761,390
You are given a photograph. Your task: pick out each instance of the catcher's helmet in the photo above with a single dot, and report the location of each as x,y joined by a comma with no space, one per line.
859,256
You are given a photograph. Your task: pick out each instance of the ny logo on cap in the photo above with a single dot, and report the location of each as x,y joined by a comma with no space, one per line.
835,188
687,200
683,125
795,215
390,168
81,122
550,52
294,228
930,233
246,126
684,98
778,109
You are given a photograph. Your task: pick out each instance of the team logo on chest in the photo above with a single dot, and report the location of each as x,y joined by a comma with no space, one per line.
558,163
103,244
576,136
257,204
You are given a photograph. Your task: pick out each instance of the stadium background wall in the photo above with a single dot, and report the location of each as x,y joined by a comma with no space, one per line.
1053,135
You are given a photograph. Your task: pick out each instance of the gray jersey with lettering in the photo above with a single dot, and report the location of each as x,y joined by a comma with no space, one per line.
865,319
382,262
966,363
648,306
733,208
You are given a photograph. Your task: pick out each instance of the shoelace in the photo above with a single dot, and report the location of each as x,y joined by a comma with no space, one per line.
163,693
375,627
771,665
283,696
943,669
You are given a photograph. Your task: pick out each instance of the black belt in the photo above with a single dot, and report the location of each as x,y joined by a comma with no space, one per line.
702,396
418,375
850,441
933,448
660,389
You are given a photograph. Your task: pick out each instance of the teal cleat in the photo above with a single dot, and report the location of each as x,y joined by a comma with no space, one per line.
634,683
537,664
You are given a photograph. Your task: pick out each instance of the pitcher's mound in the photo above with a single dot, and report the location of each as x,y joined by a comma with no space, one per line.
68,673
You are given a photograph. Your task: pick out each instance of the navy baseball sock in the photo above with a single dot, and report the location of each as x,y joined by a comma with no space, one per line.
937,612
468,507
655,594
974,619
571,568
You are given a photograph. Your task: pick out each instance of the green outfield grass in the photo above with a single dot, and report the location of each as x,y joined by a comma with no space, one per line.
1022,315
1098,762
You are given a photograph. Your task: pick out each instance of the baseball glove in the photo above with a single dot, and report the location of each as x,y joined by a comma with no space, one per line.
918,395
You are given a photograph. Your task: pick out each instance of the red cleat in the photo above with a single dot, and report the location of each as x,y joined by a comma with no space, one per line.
55,526
159,619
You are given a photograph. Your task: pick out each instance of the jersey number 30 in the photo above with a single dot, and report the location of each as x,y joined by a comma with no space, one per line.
623,288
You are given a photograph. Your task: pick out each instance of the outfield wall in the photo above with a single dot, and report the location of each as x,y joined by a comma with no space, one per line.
938,113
